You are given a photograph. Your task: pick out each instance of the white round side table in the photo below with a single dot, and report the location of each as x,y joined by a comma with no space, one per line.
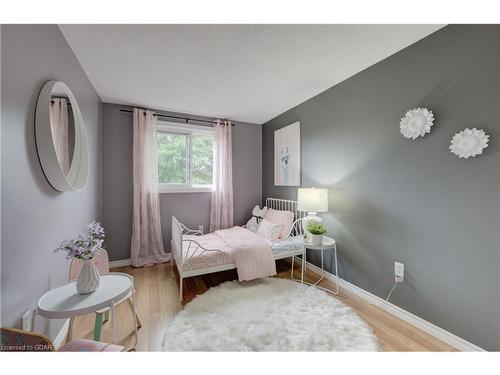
64,301
328,244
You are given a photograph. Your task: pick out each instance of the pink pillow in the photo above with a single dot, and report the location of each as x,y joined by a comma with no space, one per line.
284,218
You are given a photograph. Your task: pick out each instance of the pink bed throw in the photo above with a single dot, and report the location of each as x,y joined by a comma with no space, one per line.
252,254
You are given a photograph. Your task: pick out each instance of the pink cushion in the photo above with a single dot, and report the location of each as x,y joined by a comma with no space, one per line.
284,218
83,345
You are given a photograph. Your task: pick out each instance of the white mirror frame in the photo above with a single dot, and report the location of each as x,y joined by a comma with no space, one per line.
76,178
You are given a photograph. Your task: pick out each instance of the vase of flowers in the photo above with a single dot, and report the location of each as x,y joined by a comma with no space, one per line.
316,231
88,279
83,248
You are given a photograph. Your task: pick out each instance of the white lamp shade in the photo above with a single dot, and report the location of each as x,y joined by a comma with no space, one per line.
313,200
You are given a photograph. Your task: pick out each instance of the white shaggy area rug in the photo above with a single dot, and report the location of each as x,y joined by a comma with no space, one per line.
268,315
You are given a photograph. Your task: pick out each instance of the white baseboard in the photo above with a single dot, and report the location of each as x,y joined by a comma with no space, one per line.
119,263
61,336
433,330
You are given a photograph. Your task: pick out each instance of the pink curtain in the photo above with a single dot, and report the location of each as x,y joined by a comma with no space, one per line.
147,244
221,214
59,127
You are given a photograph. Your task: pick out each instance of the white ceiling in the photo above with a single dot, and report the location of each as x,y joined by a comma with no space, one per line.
242,72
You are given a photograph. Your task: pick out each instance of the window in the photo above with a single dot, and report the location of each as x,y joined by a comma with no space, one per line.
185,158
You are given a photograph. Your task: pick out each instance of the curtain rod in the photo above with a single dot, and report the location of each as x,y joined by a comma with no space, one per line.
187,119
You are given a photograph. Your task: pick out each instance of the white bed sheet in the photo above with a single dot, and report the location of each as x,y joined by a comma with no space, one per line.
195,257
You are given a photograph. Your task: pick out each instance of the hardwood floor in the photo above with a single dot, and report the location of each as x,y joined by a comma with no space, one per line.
157,304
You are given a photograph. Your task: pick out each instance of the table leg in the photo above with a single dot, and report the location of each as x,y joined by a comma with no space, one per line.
322,270
98,326
333,251
33,319
69,336
322,266
336,271
303,266
135,316
113,322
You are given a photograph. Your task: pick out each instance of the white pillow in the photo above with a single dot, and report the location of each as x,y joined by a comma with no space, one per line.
269,230
252,224
257,211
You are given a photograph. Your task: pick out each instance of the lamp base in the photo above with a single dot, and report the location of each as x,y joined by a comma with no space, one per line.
312,216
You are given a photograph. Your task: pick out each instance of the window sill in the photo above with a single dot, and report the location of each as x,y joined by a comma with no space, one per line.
183,190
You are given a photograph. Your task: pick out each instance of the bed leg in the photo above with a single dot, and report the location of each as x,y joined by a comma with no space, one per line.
180,288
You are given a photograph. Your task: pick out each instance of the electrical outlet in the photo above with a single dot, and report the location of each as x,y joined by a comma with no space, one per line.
26,321
399,271
200,228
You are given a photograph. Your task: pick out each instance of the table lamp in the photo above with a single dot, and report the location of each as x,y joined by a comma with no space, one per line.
312,201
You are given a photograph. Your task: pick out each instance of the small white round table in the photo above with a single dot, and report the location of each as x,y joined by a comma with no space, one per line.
328,244
64,301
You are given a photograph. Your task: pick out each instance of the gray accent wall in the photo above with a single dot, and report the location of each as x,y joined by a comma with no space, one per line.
394,199
193,209
35,217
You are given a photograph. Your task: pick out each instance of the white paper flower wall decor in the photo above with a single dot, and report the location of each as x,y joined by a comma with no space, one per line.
416,123
469,143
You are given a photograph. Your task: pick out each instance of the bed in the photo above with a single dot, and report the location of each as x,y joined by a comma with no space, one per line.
195,253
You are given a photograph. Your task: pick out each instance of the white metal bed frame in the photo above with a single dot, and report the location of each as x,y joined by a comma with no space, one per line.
179,230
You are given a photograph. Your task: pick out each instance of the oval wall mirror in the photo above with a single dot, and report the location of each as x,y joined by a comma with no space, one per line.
60,138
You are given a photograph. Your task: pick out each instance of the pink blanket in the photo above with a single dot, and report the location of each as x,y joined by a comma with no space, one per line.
252,254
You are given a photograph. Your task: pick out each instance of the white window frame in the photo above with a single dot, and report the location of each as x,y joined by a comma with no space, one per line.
190,130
